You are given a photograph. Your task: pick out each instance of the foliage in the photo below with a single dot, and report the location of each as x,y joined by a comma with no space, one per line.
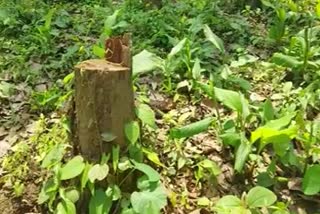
243,80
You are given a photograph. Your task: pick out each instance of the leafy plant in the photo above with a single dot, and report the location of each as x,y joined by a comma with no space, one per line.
257,197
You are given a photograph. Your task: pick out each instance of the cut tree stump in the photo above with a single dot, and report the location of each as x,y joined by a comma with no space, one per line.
104,99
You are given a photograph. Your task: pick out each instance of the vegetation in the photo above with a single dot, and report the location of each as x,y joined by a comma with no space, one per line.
227,104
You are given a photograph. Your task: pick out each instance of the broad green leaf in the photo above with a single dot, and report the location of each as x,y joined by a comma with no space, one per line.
54,156
311,181
176,49
229,201
145,62
152,174
281,122
268,111
61,209
147,202
196,70
109,23
153,157
264,179
100,203
73,195
260,197
98,172
286,60
98,51
242,154
211,166
213,38
191,129
229,98
146,115
203,201
132,131
231,138
271,130
233,100
72,169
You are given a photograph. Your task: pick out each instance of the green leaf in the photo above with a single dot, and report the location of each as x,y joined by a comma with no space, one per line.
100,203
191,129
311,181
286,60
61,208
98,172
211,166
272,128
73,195
132,131
146,115
152,156
268,111
109,23
145,62
114,191
203,201
207,89
264,179
213,38
84,177
54,156
152,174
98,51
48,191
48,18
318,9
243,60
229,201
260,197
281,122
242,154
196,70
147,202
108,137
115,157
231,138
233,100
176,49
72,169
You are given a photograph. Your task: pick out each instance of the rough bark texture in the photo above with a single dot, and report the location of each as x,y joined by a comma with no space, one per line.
103,99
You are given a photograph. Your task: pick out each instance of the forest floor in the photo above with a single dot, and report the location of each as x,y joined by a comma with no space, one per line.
199,164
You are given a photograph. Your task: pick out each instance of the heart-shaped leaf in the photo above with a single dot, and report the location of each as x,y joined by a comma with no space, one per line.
132,131
72,169
260,197
98,172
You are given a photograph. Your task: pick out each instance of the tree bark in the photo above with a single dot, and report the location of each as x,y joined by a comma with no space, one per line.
103,99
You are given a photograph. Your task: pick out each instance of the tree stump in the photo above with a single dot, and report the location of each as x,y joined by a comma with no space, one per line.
103,99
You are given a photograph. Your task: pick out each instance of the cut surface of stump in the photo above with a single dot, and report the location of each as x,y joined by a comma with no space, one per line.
103,103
